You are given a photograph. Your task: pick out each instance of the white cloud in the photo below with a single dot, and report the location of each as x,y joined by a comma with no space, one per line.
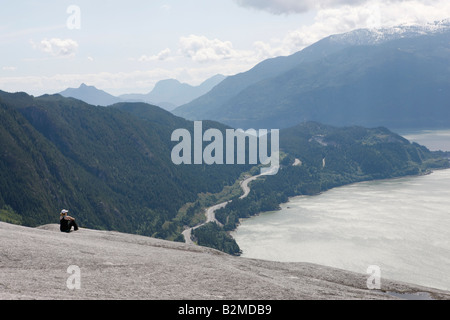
345,18
57,47
294,6
166,7
277,6
202,49
163,55
199,57
301,6
264,50
115,83
9,68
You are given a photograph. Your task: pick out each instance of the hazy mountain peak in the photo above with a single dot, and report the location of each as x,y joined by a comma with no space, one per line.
90,95
167,94
171,93
169,84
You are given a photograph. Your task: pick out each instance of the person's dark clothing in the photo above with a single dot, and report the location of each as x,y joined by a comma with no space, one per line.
66,225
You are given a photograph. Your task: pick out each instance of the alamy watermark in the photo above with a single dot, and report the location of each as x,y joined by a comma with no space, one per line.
374,281
74,19
74,280
190,149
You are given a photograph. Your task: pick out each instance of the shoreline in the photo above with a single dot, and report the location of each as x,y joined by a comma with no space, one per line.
427,173
210,212
298,249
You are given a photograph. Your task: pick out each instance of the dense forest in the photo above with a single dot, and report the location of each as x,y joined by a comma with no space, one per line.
330,157
111,167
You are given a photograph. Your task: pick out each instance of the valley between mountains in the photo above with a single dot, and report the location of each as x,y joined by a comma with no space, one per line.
153,228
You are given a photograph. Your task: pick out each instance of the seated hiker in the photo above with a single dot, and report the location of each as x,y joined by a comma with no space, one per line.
67,222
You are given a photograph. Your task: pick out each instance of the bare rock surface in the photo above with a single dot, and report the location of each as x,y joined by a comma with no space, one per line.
34,264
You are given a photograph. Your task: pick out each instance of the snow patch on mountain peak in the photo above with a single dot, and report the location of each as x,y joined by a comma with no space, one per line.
376,36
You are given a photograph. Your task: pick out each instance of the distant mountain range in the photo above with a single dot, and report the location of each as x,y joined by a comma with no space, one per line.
167,94
396,77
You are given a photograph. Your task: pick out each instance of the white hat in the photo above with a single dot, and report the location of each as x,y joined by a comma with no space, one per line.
64,211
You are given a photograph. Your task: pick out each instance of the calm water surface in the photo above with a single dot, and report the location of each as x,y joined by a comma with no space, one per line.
434,140
400,225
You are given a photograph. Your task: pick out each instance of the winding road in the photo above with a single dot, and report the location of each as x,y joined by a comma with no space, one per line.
210,217
210,212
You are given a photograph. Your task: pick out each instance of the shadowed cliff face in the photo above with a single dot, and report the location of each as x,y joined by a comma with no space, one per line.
111,265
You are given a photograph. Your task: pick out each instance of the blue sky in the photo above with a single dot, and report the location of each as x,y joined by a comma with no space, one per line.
127,46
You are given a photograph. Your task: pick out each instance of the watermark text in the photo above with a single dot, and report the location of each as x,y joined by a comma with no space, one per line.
229,150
